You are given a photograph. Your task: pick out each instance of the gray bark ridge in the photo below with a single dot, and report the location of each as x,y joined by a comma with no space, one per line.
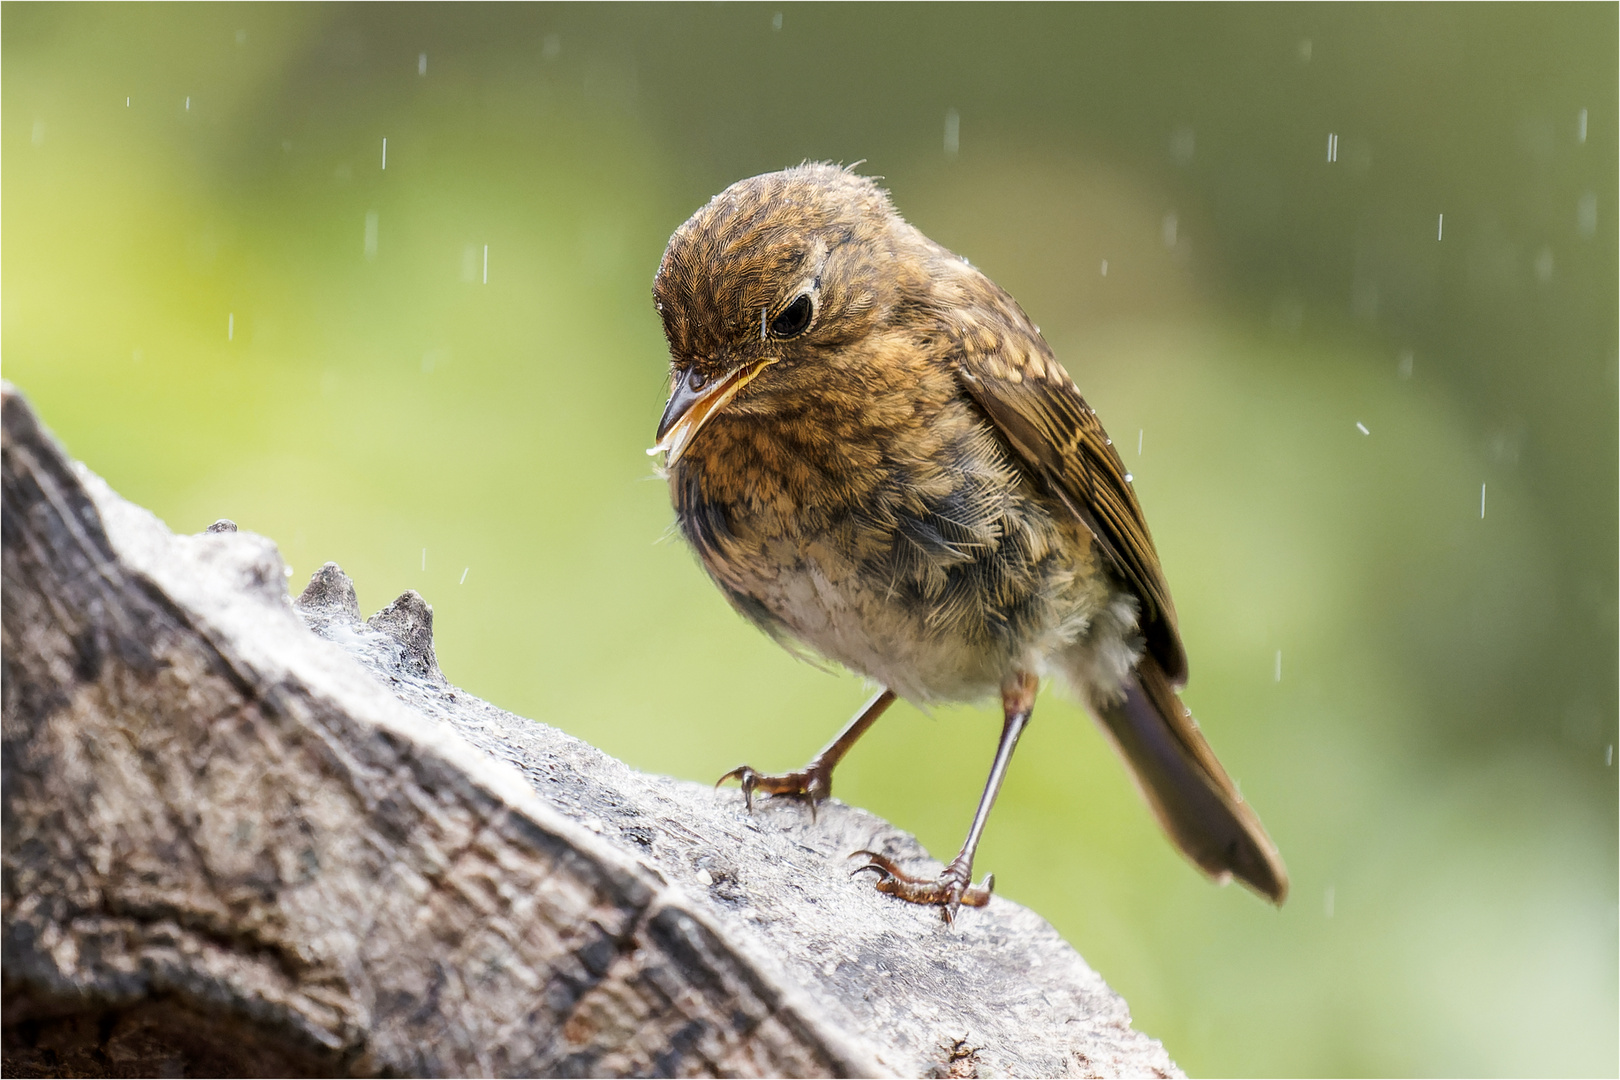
248,835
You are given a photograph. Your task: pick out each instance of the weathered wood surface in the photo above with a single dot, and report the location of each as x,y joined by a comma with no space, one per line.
244,835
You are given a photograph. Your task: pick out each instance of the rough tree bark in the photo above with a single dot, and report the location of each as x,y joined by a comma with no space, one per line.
255,836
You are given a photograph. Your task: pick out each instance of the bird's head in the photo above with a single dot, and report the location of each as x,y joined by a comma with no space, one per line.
774,275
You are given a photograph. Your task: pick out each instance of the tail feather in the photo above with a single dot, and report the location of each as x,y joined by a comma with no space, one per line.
1193,798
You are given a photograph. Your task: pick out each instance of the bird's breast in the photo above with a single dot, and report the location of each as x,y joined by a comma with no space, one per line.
889,531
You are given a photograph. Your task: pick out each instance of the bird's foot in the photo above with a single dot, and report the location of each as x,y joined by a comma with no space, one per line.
948,892
811,784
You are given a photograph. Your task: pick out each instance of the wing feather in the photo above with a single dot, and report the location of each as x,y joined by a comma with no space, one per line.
1026,393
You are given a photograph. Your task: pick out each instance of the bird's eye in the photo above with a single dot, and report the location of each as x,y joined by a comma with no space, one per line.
695,381
794,318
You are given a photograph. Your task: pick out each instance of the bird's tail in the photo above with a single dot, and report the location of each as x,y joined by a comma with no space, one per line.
1189,792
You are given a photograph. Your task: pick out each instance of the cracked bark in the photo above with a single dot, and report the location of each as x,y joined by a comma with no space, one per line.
246,835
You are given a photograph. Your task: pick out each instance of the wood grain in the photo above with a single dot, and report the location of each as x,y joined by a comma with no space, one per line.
250,836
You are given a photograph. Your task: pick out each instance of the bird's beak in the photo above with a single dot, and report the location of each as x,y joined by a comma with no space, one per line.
688,409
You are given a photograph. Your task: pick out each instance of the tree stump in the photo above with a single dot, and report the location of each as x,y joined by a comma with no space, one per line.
251,835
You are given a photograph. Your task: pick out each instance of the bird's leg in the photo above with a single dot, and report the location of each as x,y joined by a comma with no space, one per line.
955,887
813,782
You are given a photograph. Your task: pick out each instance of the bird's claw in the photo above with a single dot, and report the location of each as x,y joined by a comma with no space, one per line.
949,892
809,785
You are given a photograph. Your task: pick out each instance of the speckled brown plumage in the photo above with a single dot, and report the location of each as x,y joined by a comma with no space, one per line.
877,457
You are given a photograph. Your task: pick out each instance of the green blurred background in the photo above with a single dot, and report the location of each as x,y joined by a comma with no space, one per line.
442,375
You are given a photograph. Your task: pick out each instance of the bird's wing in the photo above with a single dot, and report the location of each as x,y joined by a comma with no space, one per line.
1031,399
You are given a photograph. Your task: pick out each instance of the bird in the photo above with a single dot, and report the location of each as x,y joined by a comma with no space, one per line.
877,458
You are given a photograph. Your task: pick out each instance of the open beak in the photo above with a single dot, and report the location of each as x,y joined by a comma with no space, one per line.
689,409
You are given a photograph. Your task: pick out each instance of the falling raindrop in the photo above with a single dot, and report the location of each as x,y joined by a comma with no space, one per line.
1403,364
1182,145
463,580
953,132
1544,265
1440,231
776,21
1362,428
230,327
1105,268
1586,214
371,234
385,152
421,63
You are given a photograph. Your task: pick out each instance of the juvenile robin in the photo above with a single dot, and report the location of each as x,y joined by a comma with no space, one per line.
876,455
